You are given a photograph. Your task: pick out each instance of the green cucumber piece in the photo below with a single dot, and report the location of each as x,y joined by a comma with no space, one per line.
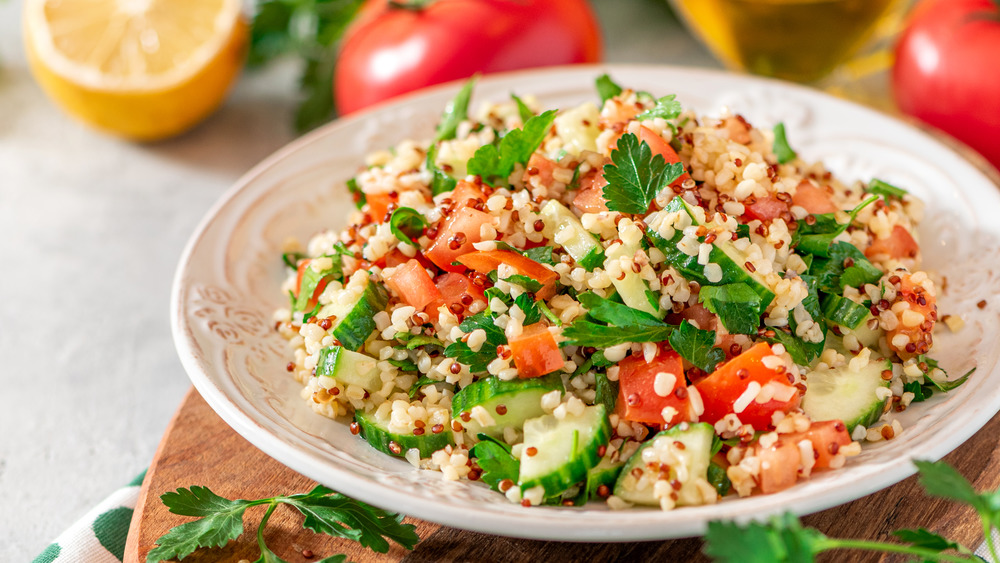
398,444
697,452
633,290
350,368
847,395
729,258
355,321
583,246
522,399
604,473
566,449
844,312
868,337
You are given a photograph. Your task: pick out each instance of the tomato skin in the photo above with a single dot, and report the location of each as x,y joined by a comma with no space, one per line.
945,71
590,198
536,352
899,244
300,271
766,209
723,387
412,283
485,261
455,287
813,199
636,379
464,194
378,206
389,50
466,221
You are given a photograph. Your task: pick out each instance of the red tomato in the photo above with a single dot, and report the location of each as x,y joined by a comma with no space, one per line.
462,225
661,147
536,352
590,198
464,193
413,285
485,261
725,386
899,244
540,167
320,286
637,398
390,49
378,206
767,209
458,290
813,199
779,467
705,319
945,72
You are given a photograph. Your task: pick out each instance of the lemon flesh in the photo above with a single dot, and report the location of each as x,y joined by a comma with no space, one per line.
142,69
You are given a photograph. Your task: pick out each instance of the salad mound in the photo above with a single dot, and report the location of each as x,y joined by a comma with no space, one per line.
621,301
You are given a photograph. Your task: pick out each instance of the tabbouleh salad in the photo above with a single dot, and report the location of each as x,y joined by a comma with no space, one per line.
621,301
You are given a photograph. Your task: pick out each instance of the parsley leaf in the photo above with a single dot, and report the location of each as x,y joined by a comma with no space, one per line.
477,361
311,280
541,254
921,537
522,109
942,480
494,164
782,539
626,325
801,351
403,365
496,461
921,392
636,175
607,392
359,196
291,259
606,88
718,478
667,107
738,306
817,237
885,189
417,340
527,305
326,512
455,112
696,346
424,381
441,182
407,224
781,148
846,266
529,284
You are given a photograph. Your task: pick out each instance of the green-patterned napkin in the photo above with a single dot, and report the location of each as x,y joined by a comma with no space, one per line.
98,537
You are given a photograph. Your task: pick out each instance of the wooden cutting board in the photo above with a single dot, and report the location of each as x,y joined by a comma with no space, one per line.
200,449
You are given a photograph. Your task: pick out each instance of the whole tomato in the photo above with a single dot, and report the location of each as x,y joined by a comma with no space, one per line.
946,72
394,47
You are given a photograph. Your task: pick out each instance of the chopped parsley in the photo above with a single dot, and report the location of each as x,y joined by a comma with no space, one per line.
606,88
885,189
666,107
738,306
496,460
477,361
522,109
407,224
455,112
441,182
817,237
696,346
846,267
623,324
781,148
495,163
636,175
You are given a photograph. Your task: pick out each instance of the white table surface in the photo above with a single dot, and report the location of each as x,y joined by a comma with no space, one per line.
91,229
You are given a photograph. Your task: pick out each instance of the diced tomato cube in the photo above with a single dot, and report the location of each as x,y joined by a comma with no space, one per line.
766,209
485,261
463,225
780,462
899,244
378,205
413,285
465,193
705,319
541,167
727,385
637,397
659,146
813,198
536,352
458,289
590,197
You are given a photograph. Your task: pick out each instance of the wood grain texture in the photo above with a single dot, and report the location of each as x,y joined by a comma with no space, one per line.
200,449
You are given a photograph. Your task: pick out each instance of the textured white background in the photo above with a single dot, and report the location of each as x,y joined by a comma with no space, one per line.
90,232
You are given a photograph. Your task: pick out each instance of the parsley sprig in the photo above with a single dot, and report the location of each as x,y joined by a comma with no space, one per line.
608,324
784,539
326,512
636,175
494,163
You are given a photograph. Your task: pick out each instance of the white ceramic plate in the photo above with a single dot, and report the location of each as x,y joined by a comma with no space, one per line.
227,286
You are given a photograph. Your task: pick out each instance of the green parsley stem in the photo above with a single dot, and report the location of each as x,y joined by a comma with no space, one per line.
988,534
927,554
548,313
263,522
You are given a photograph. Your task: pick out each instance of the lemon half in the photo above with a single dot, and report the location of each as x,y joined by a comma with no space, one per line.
141,69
